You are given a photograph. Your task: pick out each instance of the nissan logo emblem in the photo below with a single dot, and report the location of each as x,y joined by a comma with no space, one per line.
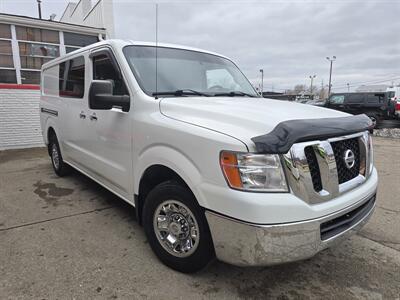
349,159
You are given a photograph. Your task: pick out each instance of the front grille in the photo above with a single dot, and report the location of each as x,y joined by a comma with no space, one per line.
314,169
339,149
336,226
317,170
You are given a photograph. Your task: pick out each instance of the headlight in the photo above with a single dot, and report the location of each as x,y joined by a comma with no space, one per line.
253,172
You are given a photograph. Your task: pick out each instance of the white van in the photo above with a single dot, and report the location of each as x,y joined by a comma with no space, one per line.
213,169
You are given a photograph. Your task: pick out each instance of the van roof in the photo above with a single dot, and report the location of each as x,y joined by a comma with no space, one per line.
117,43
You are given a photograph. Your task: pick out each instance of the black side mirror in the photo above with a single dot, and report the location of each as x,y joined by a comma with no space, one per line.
101,96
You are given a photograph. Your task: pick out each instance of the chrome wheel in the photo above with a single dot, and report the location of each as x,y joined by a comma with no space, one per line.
55,156
176,228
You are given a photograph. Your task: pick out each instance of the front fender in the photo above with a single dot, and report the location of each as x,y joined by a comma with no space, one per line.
172,158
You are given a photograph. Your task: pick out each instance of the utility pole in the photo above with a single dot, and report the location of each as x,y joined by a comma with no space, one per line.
330,73
312,78
39,8
262,82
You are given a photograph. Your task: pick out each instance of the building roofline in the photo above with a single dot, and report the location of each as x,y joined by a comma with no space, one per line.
25,20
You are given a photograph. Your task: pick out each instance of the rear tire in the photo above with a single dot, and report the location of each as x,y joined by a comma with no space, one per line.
59,166
177,229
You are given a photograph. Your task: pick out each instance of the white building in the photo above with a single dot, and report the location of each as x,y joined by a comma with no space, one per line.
84,12
25,44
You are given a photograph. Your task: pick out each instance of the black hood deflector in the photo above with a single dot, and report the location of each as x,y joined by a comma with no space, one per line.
286,133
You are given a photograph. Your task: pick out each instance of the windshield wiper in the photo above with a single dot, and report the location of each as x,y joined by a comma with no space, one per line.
234,93
180,93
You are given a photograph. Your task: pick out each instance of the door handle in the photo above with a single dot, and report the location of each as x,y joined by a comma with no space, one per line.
93,117
82,115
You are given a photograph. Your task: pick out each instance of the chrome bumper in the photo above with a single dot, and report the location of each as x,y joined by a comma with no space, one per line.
245,244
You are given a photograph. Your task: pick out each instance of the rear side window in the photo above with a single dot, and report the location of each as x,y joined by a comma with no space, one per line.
337,99
375,98
103,69
72,78
355,98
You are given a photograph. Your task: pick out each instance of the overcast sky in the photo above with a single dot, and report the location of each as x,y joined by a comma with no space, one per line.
288,39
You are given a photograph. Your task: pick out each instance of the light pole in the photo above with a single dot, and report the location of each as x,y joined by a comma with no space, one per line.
330,73
312,78
39,8
348,87
262,82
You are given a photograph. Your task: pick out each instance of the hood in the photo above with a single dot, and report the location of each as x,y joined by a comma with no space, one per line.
240,117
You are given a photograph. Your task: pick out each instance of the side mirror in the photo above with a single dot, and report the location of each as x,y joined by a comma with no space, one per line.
101,96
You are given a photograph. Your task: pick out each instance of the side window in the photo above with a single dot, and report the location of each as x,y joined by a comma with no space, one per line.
103,69
72,78
375,98
50,81
354,98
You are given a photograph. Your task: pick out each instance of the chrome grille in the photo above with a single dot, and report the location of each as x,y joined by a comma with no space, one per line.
317,172
339,149
314,168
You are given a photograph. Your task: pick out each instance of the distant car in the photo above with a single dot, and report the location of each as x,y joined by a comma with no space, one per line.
316,102
377,106
397,109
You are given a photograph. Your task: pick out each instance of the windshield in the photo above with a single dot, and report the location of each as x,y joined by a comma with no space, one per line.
184,72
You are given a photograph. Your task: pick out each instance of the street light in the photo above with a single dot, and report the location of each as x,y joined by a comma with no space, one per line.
348,87
262,82
312,78
330,73
39,8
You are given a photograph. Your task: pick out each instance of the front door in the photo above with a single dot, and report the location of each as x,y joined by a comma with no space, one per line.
111,131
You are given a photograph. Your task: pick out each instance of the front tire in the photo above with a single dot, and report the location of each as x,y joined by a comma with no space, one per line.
176,228
59,166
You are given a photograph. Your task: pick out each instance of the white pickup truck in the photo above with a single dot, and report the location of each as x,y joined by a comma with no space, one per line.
212,169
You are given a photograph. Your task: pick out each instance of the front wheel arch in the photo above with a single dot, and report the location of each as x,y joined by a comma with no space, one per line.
153,176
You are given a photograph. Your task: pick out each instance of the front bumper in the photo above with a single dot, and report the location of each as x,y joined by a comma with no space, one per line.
245,244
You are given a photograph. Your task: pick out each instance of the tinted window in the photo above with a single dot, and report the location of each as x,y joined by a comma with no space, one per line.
81,40
30,77
103,69
336,99
72,78
354,98
375,98
8,76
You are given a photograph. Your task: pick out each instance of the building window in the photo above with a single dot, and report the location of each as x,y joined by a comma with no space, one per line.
8,76
70,49
5,31
79,40
6,58
72,78
7,71
30,77
33,56
37,35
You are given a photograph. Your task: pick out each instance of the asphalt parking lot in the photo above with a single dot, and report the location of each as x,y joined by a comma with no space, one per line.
69,238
